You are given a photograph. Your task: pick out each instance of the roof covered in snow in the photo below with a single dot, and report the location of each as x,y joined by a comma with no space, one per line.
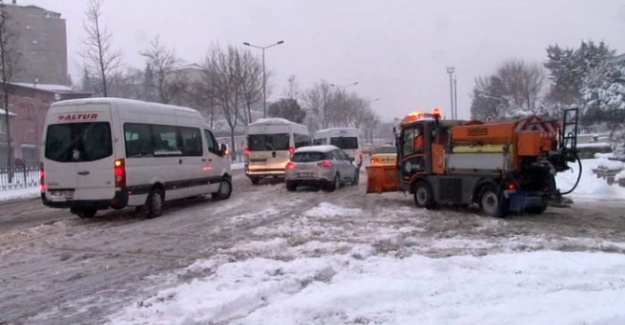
322,148
3,113
273,120
46,87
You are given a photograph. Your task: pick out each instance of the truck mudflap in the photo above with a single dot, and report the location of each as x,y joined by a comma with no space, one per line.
382,179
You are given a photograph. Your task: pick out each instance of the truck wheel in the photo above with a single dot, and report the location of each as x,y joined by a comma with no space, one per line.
155,203
291,186
84,213
423,197
225,190
336,183
492,202
537,209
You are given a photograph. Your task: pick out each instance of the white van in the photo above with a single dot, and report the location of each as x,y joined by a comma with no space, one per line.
270,144
346,139
101,153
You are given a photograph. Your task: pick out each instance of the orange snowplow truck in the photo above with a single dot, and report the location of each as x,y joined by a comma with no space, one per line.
500,166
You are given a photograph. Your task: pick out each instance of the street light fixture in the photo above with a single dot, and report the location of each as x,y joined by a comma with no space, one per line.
492,97
263,48
344,87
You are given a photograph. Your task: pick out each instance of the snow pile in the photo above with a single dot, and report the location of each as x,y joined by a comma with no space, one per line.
620,175
611,164
524,288
325,210
23,193
590,187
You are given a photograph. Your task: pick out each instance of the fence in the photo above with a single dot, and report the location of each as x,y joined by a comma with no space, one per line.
23,177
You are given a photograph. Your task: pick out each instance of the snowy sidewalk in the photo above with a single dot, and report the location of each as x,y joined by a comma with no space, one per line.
524,288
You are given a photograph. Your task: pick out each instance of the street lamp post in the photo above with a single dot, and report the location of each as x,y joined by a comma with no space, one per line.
450,71
263,48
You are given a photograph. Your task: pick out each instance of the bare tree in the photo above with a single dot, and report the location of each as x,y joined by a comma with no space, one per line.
250,72
164,65
221,70
292,89
100,59
319,99
9,60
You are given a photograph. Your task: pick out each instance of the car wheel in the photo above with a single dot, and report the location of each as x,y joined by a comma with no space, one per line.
155,203
423,197
291,186
336,183
492,202
225,190
85,213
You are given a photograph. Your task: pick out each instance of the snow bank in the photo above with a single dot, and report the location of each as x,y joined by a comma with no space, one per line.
325,210
611,164
620,175
590,187
23,193
523,288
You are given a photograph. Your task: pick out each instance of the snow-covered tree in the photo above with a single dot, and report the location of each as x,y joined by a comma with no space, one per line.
603,93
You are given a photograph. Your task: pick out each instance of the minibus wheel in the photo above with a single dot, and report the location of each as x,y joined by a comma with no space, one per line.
225,190
155,203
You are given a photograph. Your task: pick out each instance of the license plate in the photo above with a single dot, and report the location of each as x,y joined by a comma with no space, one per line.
61,196
305,174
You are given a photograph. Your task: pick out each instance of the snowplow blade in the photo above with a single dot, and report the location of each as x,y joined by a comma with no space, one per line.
382,179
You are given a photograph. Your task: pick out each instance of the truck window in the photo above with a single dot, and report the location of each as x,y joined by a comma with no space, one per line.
268,142
345,142
78,142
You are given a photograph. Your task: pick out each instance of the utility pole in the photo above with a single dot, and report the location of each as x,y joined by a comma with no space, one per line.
450,71
263,48
456,98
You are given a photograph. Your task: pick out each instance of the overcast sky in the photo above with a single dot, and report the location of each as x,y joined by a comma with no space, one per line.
398,51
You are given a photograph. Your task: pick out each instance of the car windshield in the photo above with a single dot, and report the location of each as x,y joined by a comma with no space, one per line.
268,142
308,156
385,150
78,142
345,142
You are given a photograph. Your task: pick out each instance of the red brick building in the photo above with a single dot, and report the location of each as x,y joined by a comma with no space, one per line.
30,103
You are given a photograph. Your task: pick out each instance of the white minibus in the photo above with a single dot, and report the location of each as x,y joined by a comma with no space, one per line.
346,139
270,145
101,153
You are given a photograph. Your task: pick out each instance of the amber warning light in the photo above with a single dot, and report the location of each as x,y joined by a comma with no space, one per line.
437,113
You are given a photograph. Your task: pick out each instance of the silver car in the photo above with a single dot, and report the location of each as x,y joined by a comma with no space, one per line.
325,166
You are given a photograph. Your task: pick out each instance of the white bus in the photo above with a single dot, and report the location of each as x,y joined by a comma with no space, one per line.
102,153
270,144
343,138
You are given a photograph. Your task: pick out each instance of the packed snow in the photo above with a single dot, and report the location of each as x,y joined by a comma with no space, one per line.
519,280
525,288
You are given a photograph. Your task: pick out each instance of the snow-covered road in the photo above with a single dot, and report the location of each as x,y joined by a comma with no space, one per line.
268,256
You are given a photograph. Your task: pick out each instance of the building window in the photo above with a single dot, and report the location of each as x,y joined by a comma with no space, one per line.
3,126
